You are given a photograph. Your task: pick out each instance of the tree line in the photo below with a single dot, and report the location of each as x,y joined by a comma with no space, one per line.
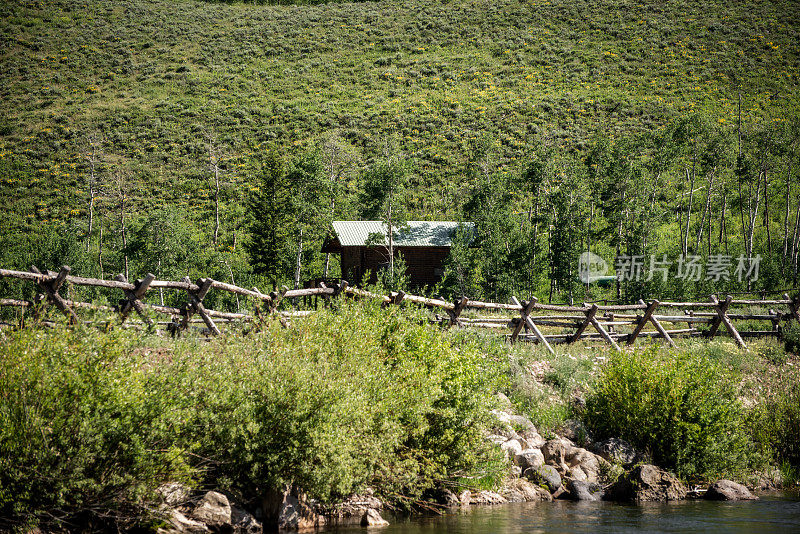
696,187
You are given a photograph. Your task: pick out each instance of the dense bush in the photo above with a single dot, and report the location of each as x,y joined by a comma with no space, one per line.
775,423
85,429
92,422
680,407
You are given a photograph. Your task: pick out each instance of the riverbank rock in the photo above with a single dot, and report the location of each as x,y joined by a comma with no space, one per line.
545,475
213,509
245,523
372,518
512,447
646,483
487,497
616,451
290,509
174,494
522,490
584,491
529,458
180,524
571,461
576,432
727,490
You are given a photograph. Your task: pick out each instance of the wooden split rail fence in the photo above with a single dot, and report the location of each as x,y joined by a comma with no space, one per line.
527,320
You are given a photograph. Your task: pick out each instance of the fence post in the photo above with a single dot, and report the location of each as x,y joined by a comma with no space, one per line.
525,319
793,306
526,309
51,291
589,316
133,298
642,321
722,318
458,307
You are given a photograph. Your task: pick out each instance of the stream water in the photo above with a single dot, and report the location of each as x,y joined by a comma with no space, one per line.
777,512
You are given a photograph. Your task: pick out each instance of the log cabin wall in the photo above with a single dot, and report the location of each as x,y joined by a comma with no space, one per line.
423,264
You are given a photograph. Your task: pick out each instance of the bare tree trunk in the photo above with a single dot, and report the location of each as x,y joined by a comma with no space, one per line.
786,219
213,160
299,262
723,223
100,250
739,162
752,212
216,205
589,241
233,282
92,191
391,239
685,247
795,238
124,236
160,289
766,211
706,210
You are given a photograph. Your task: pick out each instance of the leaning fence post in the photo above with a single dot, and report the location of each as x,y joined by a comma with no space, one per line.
794,305
642,321
525,318
133,298
196,299
722,318
589,316
458,307
51,290
526,309
606,335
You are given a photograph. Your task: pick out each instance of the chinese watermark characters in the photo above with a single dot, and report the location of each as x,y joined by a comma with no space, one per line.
690,268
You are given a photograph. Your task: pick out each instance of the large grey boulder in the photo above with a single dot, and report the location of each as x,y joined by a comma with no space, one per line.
522,490
180,524
213,509
512,448
584,491
566,457
487,497
372,518
616,451
727,490
529,458
352,509
575,431
646,483
174,494
545,475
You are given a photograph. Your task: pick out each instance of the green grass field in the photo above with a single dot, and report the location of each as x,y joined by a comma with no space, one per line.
154,79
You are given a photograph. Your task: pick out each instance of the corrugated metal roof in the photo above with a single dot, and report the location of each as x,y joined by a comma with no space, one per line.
413,234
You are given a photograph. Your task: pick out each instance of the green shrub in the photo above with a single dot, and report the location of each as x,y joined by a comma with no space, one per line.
85,434
775,421
681,408
91,422
791,338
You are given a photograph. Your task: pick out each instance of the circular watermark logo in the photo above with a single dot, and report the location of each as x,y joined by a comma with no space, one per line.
591,267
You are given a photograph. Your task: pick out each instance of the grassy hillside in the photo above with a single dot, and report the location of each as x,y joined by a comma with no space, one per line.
155,77
149,82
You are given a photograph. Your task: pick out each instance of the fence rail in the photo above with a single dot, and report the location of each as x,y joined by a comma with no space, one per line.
527,320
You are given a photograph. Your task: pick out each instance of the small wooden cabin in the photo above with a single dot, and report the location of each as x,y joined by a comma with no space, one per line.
364,246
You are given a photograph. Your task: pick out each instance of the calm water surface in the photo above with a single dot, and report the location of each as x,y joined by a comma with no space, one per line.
775,513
